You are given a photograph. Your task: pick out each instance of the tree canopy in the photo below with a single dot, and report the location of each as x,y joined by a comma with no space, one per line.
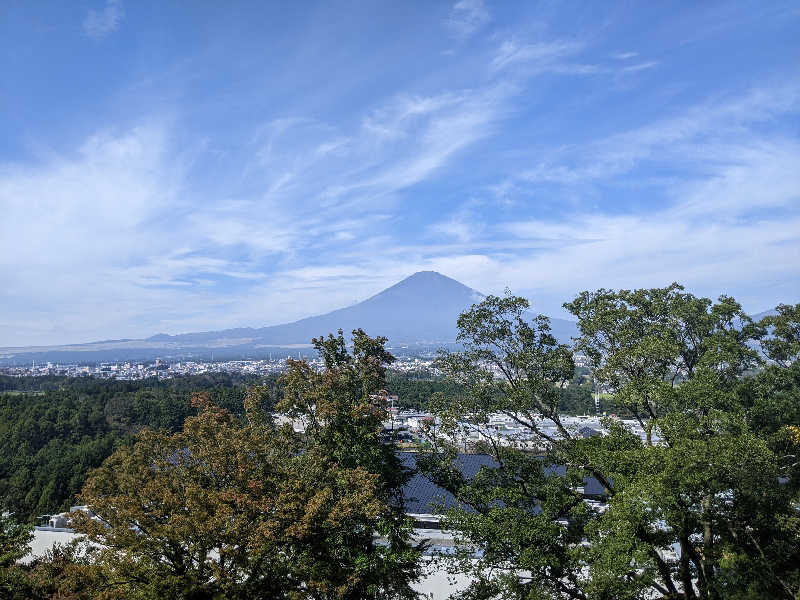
705,504
240,508
196,492
57,430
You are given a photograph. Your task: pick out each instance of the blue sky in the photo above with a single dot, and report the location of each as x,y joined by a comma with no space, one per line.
173,167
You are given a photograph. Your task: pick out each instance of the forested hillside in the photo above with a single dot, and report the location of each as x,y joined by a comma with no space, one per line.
415,390
54,430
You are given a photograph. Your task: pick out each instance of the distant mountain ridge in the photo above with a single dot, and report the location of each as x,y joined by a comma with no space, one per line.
422,309
767,313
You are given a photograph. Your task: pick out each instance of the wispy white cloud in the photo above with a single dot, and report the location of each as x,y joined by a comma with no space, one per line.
397,145
711,253
319,207
537,55
104,267
100,23
740,179
396,119
126,240
466,17
456,125
557,56
639,67
85,224
729,223
724,126
464,226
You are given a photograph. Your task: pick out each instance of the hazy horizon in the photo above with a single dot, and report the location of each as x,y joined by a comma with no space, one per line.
379,327
168,169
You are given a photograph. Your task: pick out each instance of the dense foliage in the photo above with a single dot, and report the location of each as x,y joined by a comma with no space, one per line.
414,389
197,493
51,438
241,508
706,504
14,544
54,430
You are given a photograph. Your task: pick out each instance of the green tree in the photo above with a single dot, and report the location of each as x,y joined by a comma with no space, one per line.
52,435
15,539
765,559
344,415
180,515
521,516
783,347
414,389
68,572
235,507
711,476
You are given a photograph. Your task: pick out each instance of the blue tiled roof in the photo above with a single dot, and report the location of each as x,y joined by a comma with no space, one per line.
592,487
422,496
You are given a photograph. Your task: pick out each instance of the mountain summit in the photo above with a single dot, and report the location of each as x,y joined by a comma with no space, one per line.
428,283
422,308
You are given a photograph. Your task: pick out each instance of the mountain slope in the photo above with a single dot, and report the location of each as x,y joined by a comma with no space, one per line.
421,308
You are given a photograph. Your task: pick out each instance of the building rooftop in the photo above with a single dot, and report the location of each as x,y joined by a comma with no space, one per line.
423,497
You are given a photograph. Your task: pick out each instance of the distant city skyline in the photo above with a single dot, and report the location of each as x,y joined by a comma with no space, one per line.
188,168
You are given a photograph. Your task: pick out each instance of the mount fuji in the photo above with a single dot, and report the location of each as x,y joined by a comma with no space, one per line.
420,310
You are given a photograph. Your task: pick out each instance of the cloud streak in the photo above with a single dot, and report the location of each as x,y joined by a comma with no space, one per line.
467,17
539,55
101,23
704,135
123,241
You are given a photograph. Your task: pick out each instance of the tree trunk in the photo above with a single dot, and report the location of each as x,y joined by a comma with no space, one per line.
685,570
707,564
